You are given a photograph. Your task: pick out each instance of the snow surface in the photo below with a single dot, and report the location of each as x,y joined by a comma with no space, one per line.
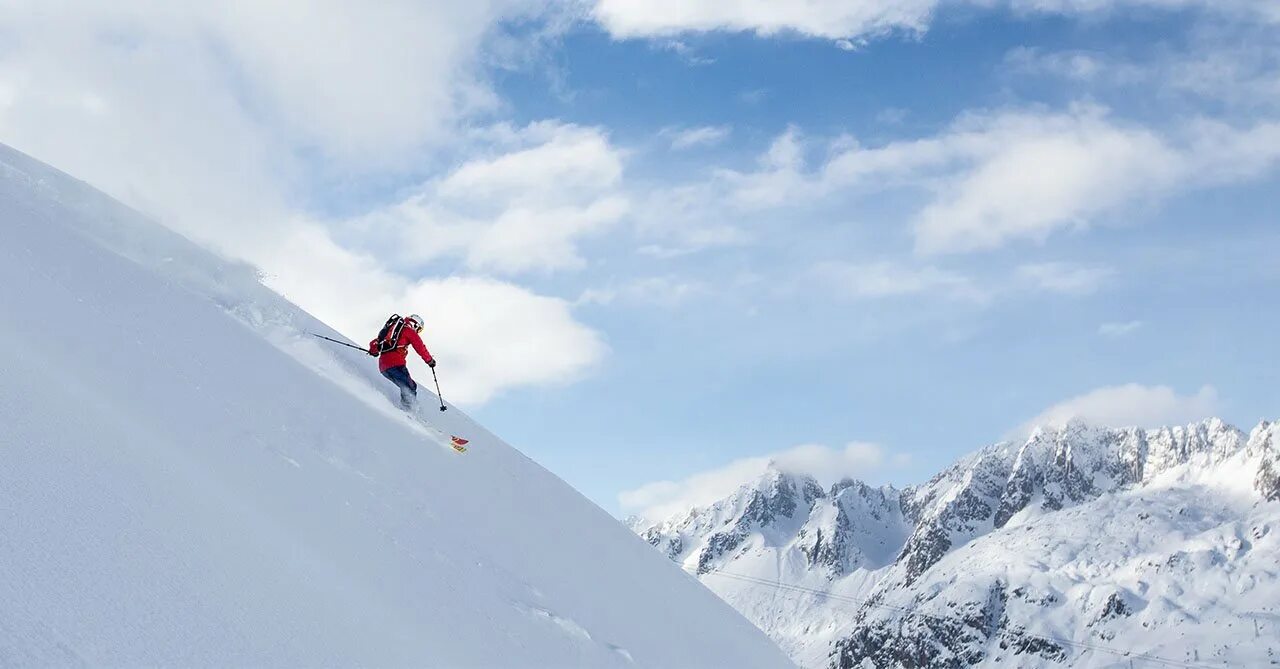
186,478
1082,546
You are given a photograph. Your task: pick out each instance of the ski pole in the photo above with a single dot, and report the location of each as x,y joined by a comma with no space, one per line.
439,395
343,343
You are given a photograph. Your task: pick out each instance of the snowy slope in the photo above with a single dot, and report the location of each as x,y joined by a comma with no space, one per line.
186,479
1072,548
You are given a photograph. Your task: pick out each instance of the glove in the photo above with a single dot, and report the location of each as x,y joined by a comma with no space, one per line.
431,363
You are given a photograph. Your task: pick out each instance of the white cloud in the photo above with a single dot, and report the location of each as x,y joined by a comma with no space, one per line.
687,53
489,335
1013,175
820,18
689,138
999,177
885,279
754,96
1249,9
1119,329
1219,153
497,335
840,19
1027,176
889,279
662,291
353,81
567,159
1231,68
1238,70
662,499
892,115
996,177
1022,176
1131,405
662,252
523,210
990,179
1078,65
217,122
780,176
356,78
1064,278
683,219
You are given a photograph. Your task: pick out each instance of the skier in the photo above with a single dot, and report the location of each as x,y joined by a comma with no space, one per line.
392,348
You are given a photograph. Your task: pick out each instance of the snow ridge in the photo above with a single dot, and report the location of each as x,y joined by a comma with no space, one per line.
1080,533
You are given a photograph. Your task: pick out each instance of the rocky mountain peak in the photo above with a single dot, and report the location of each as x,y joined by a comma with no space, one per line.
997,505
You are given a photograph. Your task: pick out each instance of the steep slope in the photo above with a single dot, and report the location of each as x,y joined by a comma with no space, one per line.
189,481
1063,550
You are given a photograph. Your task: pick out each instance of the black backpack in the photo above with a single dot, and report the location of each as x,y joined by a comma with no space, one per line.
389,335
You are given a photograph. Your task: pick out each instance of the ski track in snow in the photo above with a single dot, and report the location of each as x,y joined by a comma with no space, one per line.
568,626
36,644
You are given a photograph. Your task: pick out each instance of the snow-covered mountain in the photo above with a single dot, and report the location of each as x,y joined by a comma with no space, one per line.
187,479
787,528
1081,546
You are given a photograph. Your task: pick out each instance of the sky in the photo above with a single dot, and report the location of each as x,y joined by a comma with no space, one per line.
660,244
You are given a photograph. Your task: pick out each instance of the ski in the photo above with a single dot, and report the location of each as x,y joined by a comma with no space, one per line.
453,441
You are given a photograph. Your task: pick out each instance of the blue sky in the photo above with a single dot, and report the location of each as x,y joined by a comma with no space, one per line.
661,243
690,387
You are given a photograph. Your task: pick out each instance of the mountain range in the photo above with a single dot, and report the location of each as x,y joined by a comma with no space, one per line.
1081,546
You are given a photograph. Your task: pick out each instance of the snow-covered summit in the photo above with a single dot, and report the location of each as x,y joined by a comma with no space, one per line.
787,512
786,527
188,479
1054,468
1054,536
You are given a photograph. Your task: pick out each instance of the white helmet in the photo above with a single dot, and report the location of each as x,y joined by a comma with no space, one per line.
418,323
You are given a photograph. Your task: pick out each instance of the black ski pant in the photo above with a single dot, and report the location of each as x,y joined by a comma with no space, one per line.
408,387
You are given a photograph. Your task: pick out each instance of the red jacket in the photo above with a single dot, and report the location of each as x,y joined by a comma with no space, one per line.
399,356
